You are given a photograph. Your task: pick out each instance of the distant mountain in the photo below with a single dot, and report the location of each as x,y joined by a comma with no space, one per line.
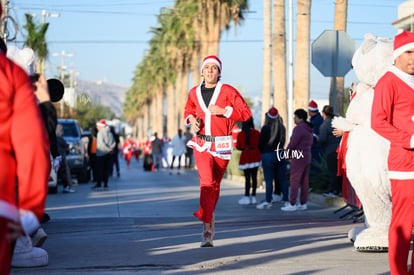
101,92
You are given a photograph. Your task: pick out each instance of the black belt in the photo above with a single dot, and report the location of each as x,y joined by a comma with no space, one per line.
249,148
206,138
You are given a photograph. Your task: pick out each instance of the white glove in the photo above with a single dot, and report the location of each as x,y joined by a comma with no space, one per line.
56,163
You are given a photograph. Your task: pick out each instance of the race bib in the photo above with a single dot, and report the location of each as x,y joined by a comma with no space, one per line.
223,144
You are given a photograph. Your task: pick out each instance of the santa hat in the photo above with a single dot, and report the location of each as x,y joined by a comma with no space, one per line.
313,106
272,113
402,43
211,59
101,123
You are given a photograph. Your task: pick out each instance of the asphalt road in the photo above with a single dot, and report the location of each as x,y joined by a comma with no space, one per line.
144,225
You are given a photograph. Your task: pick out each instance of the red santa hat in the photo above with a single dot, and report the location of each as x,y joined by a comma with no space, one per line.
101,123
402,43
211,59
313,106
272,113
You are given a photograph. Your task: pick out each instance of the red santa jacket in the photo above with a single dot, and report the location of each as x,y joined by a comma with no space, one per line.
225,96
24,145
393,118
250,156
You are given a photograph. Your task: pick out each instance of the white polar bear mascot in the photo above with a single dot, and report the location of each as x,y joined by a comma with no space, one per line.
366,156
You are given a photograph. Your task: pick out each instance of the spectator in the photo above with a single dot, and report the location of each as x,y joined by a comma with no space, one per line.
271,141
189,151
64,170
316,120
329,144
166,150
178,149
250,160
157,144
105,146
299,151
115,155
92,152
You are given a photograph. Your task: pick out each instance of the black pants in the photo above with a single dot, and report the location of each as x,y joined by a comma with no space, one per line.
250,176
102,169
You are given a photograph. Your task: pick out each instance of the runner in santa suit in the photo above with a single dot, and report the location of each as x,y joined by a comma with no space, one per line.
211,110
393,118
24,155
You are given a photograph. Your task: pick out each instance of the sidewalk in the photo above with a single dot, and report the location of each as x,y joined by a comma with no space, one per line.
144,225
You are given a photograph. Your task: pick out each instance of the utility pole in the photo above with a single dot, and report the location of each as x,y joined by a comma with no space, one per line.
63,54
45,14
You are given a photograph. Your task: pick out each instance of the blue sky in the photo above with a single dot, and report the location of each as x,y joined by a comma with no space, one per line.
109,37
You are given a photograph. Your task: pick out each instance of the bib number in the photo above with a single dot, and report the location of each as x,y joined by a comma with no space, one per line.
224,144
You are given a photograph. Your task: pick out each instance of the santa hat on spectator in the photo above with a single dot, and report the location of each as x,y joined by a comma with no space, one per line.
211,59
313,106
101,123
272,113
403,42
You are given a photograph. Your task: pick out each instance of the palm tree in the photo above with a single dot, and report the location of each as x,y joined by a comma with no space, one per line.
302,68
267,57
36,40
341,8
279,59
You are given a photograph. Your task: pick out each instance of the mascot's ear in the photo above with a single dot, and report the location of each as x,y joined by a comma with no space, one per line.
370,41
24,58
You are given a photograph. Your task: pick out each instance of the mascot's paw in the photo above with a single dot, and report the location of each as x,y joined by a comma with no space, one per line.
342,124
354,232
372,240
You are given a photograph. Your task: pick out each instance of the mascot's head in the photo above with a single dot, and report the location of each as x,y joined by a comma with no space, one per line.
372,59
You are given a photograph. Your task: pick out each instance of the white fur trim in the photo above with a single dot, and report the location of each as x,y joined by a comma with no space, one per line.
402,49
250,165
229,111
211,60
401,175
187,120
313,109
9,211
412,142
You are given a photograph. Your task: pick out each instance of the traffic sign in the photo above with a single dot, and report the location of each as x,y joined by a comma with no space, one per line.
332,53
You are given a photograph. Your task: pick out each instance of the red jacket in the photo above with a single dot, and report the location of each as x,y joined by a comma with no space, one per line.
393,118
250,156
24,145
225,96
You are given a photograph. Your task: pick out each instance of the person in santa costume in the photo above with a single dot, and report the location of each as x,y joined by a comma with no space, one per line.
393,118
127,149
211,110
24,156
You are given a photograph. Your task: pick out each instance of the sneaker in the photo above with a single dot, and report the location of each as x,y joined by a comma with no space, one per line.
207,238
264,205
245,200
301,206
330,195
25,255
276,198
288,207
253,200
68,189
38,238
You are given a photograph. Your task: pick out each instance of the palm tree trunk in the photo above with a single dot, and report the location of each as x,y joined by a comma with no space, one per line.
279,59
341,8
301,90
267,57
171,129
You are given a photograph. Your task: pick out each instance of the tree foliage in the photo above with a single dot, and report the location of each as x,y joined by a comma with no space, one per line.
89,112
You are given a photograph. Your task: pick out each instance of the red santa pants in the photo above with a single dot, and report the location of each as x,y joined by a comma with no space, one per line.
210,171
401,226
5,248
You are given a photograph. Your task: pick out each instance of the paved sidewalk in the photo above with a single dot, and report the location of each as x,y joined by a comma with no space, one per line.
144,225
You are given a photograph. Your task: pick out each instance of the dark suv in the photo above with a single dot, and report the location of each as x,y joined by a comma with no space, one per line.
78,156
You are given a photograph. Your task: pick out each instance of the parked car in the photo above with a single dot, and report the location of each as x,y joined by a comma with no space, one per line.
78,156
